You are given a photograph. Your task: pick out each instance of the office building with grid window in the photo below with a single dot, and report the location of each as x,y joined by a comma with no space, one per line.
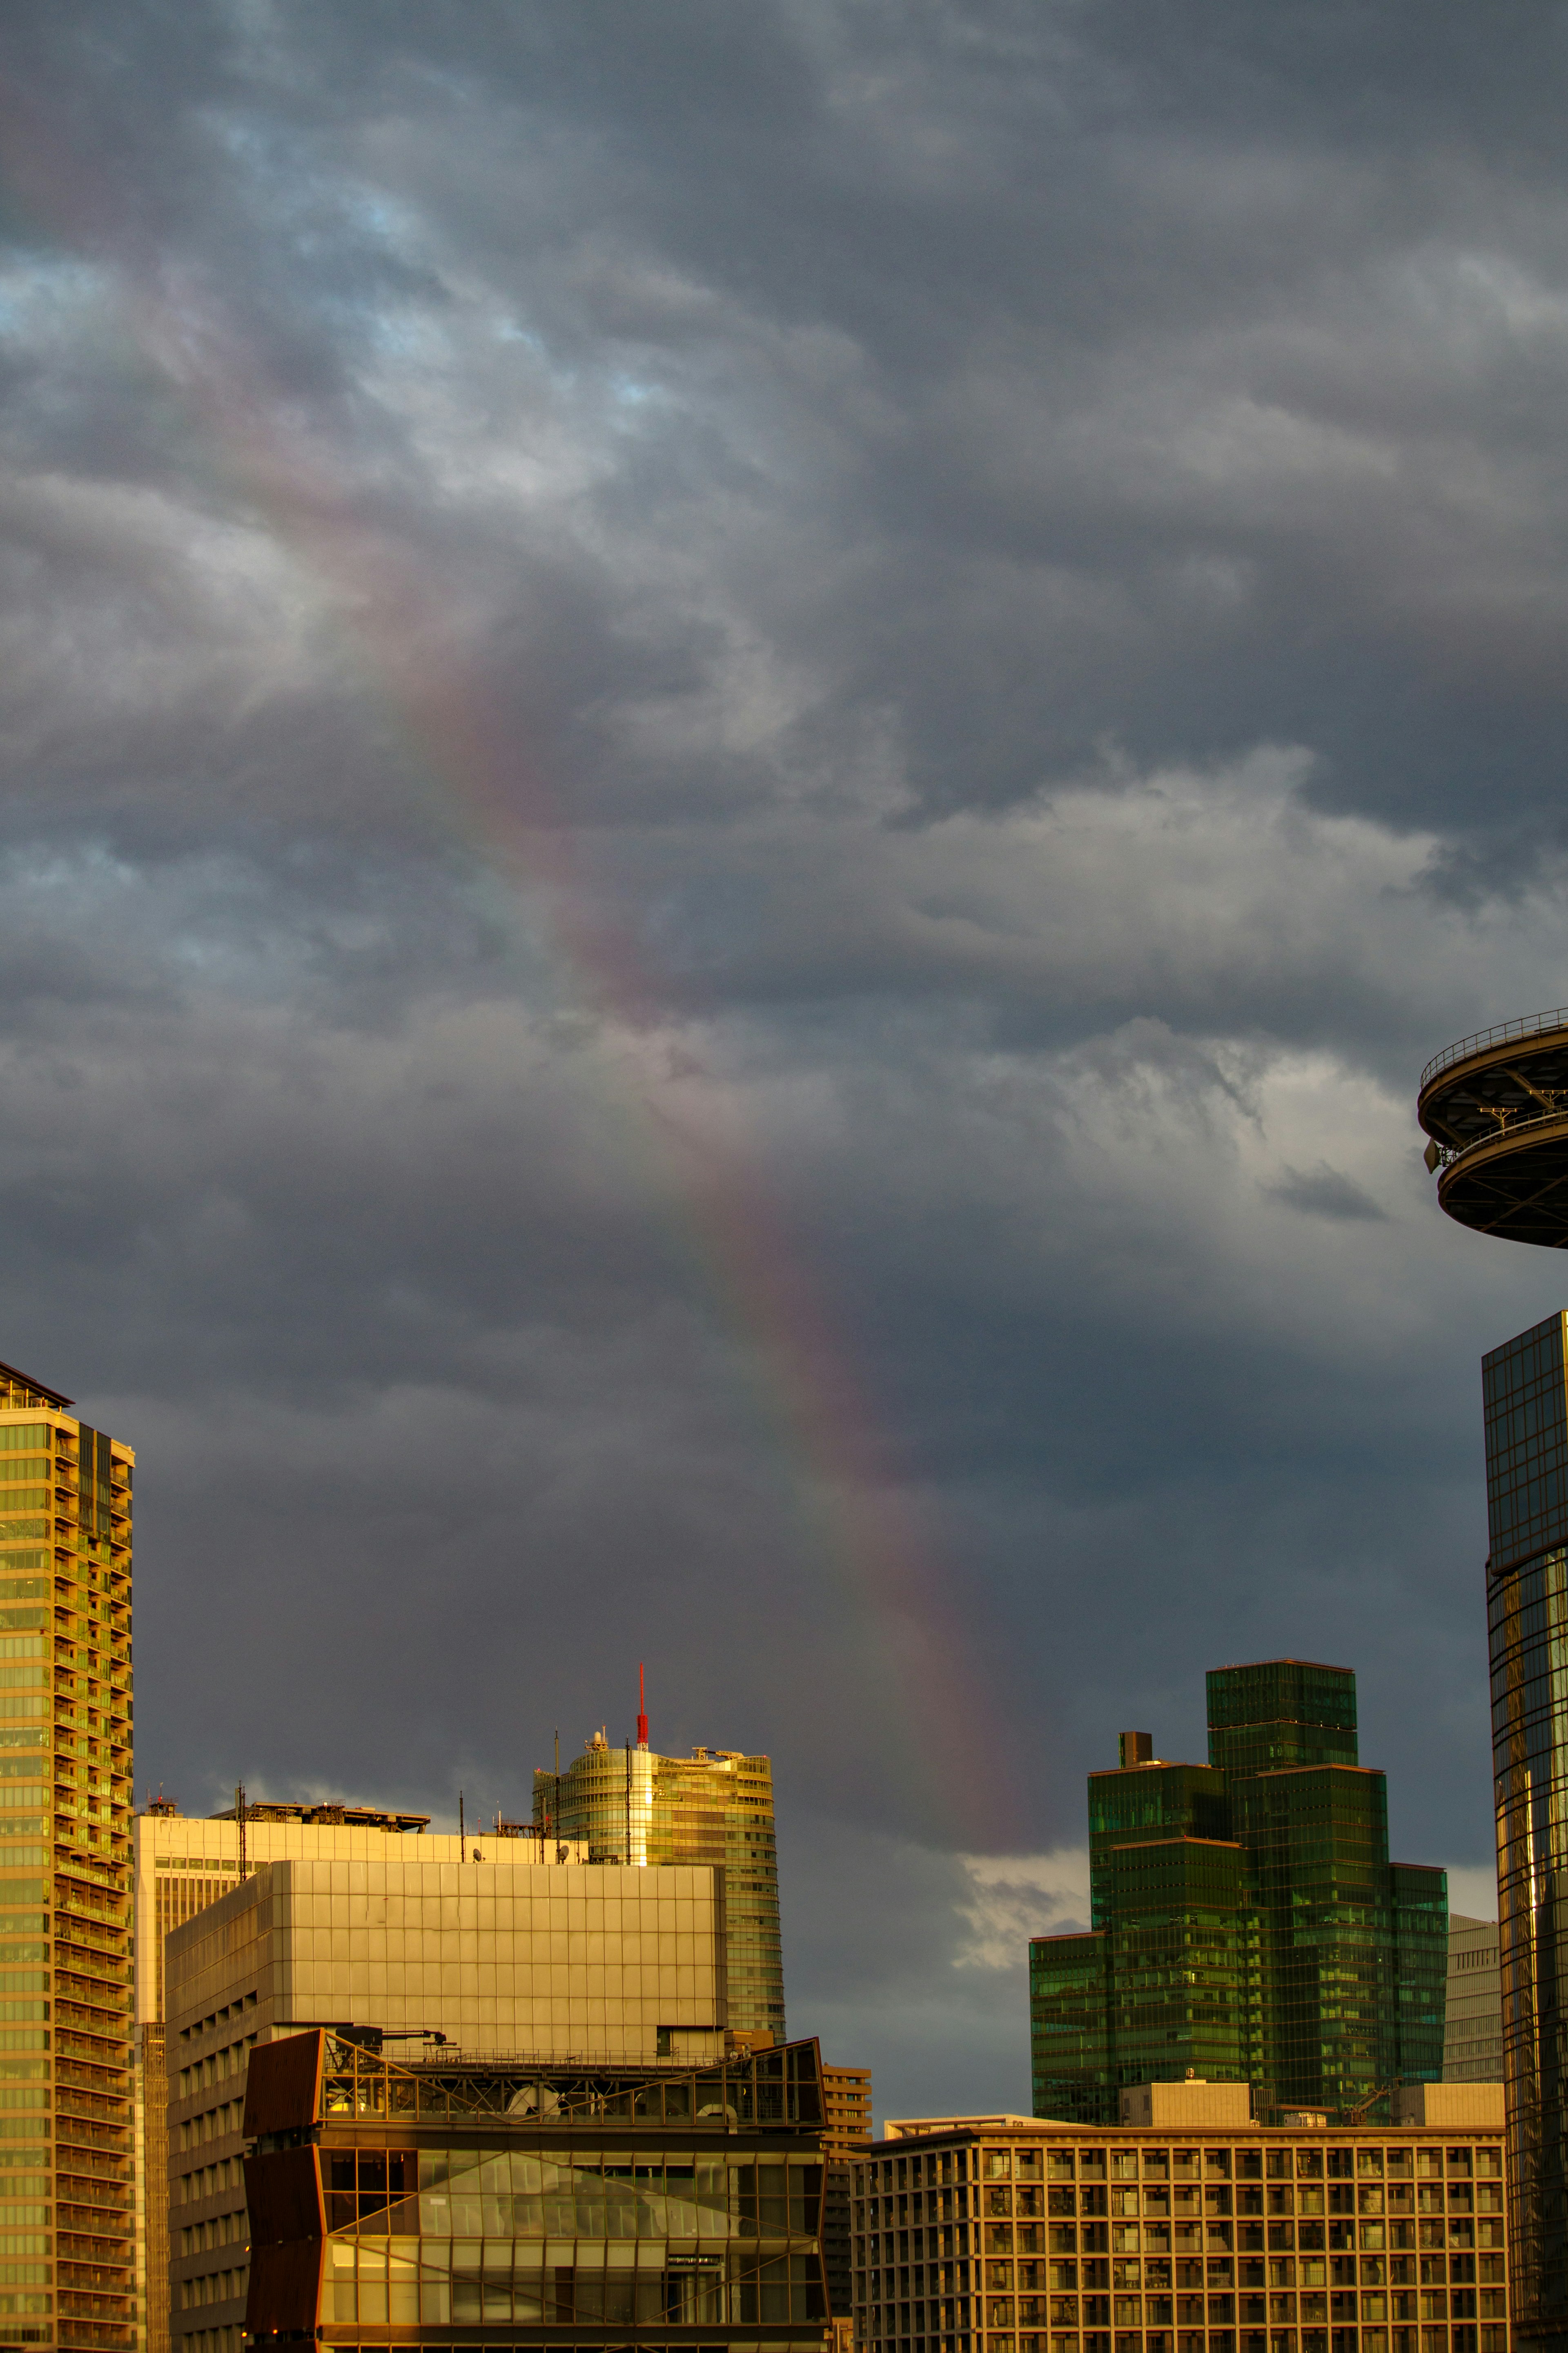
715,1807
183,1864
600,1967
1006,2234
1247,1923
1472,2029
68,2220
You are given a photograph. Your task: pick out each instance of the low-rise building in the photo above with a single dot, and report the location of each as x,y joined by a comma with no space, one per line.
1003,2234
475,2202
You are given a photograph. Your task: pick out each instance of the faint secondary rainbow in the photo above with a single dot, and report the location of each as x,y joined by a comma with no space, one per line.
856,1493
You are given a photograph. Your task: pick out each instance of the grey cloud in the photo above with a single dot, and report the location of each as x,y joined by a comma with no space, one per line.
1325,1192
714,711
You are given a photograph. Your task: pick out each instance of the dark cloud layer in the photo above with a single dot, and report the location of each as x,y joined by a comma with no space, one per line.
677,676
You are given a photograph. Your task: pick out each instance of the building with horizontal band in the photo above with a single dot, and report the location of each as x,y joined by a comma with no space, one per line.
183,1864
597,1966
467,2201
1472,2024
68,2222
1007,2234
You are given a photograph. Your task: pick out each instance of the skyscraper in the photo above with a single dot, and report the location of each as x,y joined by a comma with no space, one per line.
715,1807
1247,1923
1494,1107
1525,1389
66,2208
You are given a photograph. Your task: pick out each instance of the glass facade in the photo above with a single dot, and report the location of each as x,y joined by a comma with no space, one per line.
1247,1925
1525,1396
561,2206
68,2224
1252,2242
713,1807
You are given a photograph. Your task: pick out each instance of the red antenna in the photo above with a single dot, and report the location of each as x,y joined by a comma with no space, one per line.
642,1711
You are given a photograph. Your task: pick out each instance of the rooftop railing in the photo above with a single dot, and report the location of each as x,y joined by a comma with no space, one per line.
1512,1129
1528,1025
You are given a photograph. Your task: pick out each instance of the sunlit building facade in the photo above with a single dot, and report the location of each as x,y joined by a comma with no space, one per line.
597,1968
1472,2027
1525,1393
715,1807
1246,1925
1188,2234
68,2223
183,1864
467,2201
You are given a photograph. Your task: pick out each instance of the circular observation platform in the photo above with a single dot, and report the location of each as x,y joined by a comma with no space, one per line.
1495,1108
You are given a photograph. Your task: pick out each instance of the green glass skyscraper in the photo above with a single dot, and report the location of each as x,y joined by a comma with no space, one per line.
1247,1924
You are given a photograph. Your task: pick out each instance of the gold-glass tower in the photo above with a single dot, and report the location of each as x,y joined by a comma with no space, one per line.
66,2212
715,1807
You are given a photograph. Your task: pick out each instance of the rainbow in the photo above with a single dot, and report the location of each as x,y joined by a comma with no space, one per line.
890,1603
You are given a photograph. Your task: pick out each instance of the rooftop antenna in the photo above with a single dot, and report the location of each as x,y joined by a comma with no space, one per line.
560,1843
239,1818
462,1834
629,1804
642,1710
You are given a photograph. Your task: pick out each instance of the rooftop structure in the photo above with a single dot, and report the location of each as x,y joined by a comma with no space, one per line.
325,1811
1495,1109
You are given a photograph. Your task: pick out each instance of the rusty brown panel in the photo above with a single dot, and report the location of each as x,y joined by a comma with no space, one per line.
283,2084
285,2291
283,2197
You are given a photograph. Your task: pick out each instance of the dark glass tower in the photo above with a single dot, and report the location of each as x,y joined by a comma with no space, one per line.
1247,1925
1525,1389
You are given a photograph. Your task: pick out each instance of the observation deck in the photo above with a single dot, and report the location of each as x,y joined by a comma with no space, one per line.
1495,1108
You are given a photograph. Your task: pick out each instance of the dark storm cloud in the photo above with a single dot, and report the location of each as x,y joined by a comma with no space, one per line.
1325,1192
1025,546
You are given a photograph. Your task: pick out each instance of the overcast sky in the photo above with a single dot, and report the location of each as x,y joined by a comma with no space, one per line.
747,752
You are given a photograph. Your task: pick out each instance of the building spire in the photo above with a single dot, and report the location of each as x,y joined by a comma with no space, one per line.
642,1710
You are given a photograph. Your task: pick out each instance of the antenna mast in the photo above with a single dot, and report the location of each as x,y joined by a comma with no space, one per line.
642,1710
462,1834
239,1818
559,1847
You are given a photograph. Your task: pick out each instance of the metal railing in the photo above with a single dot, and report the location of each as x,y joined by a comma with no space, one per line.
1528,1025
1505,1132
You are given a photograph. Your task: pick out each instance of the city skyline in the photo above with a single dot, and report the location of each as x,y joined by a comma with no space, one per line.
745,751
